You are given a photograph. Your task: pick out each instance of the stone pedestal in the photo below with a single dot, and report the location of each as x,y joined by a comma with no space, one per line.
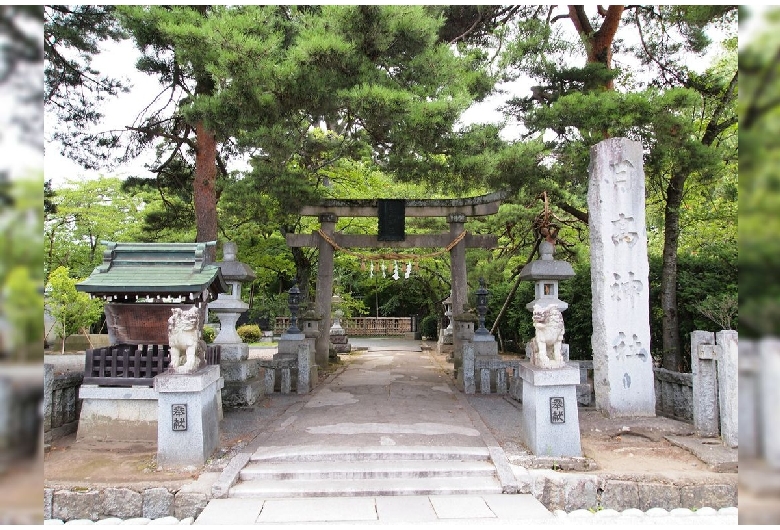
243,380
339,342
445,346
310,326
288,345
485,347
550,420
187,417
463,332
117,414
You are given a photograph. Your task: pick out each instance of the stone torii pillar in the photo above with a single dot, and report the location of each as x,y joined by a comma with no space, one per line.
458,277
324,287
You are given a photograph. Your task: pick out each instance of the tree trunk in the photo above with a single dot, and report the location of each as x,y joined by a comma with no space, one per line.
204,185
672,354
205,189
598,44
303,272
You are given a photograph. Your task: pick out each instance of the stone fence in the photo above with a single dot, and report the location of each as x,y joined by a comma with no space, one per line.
362,326
61,404
759,392
674,394
290,373
714,367
20,410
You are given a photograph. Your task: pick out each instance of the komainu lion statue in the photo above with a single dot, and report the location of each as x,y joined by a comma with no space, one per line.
184,340
548,323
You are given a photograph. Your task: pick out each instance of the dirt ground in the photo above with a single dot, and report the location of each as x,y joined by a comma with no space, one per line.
618,448
21,496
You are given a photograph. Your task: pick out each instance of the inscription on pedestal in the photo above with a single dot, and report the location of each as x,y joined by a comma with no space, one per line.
179,417
557,410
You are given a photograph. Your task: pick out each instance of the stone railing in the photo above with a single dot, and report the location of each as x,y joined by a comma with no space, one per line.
290,374
61,415
674,394
20,410
490,375
362,326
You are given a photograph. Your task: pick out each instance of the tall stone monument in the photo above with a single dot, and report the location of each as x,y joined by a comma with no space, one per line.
623,368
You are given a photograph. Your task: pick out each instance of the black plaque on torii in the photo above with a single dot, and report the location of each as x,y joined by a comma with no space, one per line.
392,219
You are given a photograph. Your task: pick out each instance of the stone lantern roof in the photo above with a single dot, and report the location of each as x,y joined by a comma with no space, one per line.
547,267
233,270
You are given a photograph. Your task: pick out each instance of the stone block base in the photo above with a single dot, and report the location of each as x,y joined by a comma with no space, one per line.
187,437
237,371
584,394
117,414
550,419
339,343
234,352
341,348
485,347
288,344
241,394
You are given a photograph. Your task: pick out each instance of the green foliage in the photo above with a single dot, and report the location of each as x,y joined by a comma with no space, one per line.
209,334
21,275
88,212
74,311
759,182
720,309
429,327
249,333
23,307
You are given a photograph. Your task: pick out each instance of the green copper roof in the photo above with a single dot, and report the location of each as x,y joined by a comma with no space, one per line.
154,268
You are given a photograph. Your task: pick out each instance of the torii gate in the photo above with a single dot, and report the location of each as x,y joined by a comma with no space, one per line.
391,214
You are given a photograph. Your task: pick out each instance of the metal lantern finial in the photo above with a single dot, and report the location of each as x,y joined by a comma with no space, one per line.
294,301
482,295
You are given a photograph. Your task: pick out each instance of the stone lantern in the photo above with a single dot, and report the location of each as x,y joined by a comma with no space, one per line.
547,272
229,306
550,418
445,342
242,385
339,341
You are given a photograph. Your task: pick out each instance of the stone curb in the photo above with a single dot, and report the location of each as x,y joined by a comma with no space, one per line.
570,492
120,503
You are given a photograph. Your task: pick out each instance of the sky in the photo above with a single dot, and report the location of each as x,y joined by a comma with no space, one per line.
118,60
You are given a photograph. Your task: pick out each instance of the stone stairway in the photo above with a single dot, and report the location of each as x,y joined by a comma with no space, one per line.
284,472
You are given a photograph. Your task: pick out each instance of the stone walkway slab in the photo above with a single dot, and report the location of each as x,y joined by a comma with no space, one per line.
230,512
461,507
403,509
318,510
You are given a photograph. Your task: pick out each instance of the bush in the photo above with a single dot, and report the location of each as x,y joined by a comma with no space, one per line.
249,333
429,326
209,335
